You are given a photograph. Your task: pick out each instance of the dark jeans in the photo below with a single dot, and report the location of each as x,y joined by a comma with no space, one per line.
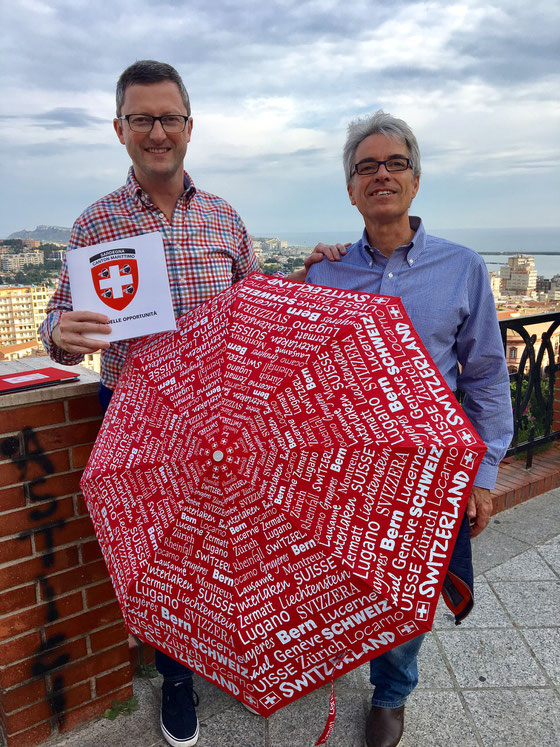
394,674
170,669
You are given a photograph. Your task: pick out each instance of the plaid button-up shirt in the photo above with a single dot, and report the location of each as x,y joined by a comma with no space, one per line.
207,249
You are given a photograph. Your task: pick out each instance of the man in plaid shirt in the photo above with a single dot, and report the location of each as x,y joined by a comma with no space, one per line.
207,249
206,243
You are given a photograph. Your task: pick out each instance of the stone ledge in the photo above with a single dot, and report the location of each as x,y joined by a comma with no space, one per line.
87,384
515,484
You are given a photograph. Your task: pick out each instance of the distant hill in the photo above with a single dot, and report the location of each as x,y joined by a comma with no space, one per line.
58,234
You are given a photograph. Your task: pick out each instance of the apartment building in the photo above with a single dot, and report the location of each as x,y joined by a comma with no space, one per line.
496,285
16,262
519,275
22,309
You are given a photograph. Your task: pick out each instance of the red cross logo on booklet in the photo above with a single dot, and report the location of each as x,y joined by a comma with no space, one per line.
115,276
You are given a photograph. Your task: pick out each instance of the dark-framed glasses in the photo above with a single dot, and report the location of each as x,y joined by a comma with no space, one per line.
369,166
171,123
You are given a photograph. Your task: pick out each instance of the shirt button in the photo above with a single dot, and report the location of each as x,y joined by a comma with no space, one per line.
410,261
390,274
161,215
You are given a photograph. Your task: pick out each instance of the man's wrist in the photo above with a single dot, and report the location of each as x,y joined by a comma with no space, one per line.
55,335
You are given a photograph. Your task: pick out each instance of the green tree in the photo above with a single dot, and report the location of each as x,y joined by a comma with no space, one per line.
15,244
269,268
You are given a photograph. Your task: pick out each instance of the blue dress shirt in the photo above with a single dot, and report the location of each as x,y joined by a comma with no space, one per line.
446,292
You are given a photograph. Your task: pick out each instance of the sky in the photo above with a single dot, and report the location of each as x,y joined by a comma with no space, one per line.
273,86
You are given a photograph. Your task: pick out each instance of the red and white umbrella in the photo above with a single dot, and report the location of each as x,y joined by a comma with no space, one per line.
277,486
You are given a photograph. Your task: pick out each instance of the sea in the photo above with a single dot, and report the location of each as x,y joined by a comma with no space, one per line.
510,240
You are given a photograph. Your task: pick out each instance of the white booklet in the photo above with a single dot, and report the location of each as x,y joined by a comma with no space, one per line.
126,280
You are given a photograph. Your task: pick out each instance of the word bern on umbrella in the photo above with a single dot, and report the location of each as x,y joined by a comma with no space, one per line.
277,486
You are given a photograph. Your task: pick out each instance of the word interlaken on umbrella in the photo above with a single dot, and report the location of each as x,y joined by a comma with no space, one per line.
278,485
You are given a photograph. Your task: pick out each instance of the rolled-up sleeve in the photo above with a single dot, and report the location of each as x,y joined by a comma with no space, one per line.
60,302
246,261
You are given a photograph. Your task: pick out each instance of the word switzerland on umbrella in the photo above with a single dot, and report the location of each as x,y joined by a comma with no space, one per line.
277,486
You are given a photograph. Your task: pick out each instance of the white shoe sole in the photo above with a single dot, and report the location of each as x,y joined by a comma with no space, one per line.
190,742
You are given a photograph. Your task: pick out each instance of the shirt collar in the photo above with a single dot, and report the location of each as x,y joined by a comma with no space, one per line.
137,193
412,250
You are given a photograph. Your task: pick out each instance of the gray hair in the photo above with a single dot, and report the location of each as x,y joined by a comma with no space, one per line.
144,72
379,123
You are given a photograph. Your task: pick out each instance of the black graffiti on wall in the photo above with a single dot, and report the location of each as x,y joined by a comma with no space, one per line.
25,451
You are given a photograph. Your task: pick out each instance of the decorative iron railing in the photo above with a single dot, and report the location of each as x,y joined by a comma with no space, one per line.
533,357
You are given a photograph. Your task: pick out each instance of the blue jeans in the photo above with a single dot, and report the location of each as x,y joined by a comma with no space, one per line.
170,669
394,674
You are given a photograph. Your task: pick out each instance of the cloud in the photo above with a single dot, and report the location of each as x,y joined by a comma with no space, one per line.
65,117
250,165
274,84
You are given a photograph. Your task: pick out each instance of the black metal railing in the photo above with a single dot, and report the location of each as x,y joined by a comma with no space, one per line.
534,368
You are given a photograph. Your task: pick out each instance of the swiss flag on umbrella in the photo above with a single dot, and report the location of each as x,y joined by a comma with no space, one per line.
278,485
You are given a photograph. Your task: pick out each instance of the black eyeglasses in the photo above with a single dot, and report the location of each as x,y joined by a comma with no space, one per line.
369,166
172,123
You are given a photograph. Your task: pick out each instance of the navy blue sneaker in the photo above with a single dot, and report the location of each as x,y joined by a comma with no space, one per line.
179,722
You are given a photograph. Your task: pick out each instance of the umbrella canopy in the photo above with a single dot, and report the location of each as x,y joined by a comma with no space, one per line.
277,486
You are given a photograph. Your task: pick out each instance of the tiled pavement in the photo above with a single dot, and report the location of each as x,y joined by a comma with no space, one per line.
492,682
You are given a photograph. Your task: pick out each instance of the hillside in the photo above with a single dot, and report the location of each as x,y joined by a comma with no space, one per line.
58,234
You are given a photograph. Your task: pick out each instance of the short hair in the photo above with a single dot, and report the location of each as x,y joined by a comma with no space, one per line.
379,123
144,72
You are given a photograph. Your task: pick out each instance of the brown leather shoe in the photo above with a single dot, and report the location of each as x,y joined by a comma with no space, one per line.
384,726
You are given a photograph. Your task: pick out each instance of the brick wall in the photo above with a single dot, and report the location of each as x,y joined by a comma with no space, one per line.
63,645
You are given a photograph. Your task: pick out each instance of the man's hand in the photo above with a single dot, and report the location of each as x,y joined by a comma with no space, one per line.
71,332
332,252
479,509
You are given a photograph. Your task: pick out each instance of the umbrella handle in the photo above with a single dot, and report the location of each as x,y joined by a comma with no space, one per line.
329,725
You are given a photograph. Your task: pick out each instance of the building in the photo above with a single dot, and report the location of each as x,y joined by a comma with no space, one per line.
554,292
92,361
268,244
16,262
519,275
496,285
543,284
515,345
548,290
21,350
22,309
275,244
58,253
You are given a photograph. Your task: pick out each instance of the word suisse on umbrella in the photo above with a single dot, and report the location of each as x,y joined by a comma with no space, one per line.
277,486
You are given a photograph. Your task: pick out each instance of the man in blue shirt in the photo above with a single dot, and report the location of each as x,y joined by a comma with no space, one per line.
446,291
